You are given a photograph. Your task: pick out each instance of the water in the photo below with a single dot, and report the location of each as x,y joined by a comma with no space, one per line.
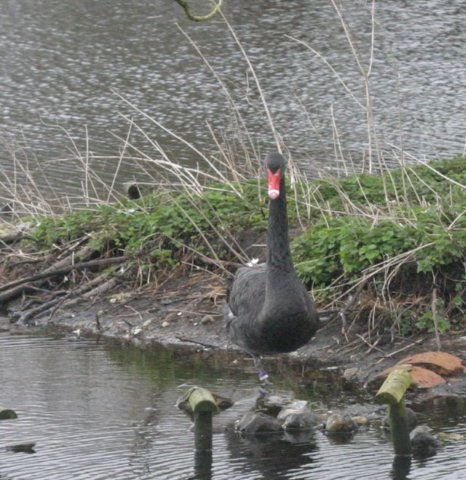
98,411
64,62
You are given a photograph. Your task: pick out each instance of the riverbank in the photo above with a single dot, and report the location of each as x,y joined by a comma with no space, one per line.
186,313
385,253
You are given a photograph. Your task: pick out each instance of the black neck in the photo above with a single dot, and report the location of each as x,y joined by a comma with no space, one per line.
278,254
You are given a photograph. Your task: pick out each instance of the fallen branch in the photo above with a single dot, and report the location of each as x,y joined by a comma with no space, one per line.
13,289
99,290
196,342
62,300
100,262
391,354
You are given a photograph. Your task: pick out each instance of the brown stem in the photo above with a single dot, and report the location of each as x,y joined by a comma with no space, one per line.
13,289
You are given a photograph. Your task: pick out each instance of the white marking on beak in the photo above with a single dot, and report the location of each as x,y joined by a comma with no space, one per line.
273,194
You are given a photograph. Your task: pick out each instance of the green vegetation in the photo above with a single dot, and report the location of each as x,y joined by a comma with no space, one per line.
390,239
162,227
397,236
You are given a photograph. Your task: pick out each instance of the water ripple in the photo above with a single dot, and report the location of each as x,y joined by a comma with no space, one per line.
73,60
94,416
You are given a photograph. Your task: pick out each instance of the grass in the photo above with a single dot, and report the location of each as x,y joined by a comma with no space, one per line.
393,238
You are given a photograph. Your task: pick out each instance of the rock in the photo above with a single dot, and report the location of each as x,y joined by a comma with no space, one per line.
340,423
423,443
361,420
7,414
223,403
451,437
22,448
206,319
273,404
258,423
441,398
4,324
365,413
351,374
298,417
301,421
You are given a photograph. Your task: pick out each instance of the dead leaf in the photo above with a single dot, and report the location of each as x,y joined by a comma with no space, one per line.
442,363
421,377
424,378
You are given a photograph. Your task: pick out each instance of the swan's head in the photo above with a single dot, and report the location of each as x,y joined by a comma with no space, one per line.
275,164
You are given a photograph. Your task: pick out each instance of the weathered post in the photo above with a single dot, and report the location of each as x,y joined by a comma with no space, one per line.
392,393
203,406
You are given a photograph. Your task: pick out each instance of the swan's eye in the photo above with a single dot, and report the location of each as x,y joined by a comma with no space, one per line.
274,183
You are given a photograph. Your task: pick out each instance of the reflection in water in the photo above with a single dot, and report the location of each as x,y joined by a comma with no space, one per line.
273,456
99,411
203,464
401,467
63,61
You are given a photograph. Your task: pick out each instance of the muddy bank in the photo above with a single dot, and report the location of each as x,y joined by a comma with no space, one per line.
186,312
377,252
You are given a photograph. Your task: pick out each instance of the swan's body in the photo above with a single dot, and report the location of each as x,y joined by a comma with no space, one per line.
270,310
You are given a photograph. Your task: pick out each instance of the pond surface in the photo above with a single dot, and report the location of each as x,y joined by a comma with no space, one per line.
97,411
64,63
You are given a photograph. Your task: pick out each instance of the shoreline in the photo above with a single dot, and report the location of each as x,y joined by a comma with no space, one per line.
169,318
378,250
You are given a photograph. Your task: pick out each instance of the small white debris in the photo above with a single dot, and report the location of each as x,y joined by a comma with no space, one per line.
252,262
77,332
147,323
136,331
165,324
179,314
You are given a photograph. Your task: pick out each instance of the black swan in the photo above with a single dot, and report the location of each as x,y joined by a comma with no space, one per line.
269,309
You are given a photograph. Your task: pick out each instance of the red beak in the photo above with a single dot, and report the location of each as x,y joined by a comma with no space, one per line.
274,183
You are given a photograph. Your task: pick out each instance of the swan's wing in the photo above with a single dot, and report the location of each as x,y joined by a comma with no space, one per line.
247,292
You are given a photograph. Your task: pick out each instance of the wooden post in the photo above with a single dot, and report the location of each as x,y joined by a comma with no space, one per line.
203,406
392,393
